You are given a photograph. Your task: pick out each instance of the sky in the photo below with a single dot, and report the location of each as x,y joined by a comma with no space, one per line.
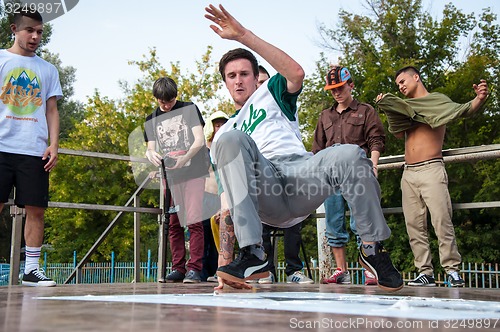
100,37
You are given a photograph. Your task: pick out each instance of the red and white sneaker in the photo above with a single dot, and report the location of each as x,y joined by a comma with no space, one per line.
370,278
339,277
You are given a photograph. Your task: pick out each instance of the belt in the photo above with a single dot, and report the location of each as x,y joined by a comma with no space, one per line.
423,163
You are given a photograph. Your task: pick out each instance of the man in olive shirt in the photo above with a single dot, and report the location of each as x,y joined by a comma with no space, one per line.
421,119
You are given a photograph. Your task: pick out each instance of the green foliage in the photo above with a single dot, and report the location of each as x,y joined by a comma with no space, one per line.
105,127
70,111
95,181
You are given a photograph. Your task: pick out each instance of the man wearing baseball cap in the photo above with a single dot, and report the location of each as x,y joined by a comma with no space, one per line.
346,122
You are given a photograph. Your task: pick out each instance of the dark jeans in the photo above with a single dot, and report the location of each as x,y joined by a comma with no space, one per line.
178,248
210,255
291,241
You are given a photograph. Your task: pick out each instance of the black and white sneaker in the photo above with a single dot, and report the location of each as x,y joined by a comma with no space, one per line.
175,276
454,280
37,278
423,280
192,277
246,266
381,266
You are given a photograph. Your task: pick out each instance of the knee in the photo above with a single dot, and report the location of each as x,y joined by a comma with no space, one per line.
34,213
349,153
232,137
230,143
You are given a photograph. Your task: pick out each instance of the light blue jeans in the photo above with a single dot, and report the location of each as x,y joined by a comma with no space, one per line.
336,231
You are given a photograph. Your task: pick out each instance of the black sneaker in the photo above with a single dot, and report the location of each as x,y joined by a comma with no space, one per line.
454,280
381,266
245,267
192,277
423,280
175,276
37,278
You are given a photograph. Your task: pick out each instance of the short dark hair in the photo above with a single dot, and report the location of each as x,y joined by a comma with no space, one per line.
33,14
263,70
165,89
411,69
238,53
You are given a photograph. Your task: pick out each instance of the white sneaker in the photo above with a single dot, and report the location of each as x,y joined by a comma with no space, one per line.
299,278
268,280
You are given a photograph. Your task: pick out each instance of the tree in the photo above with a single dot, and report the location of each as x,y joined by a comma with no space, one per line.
106,127
396,33
70,111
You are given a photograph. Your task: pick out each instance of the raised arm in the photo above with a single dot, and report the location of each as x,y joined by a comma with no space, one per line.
481,90
227,27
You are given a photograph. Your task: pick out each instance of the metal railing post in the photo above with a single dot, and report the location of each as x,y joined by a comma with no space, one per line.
112,270
15,246
137,241
148,269
162,236
324,252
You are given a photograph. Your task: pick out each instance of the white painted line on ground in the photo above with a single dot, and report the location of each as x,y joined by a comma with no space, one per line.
345,304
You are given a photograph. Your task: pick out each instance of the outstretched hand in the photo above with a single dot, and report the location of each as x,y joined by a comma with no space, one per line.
380,96
234,284
228,27
481,90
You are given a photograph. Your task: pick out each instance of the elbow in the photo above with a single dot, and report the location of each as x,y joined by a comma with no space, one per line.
300,74
295,80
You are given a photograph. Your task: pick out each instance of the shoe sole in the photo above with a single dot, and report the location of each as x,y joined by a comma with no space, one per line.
230,277
191,281
372,270
338,283
421,285
38,284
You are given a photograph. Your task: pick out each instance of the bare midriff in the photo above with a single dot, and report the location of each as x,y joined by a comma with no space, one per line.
423,143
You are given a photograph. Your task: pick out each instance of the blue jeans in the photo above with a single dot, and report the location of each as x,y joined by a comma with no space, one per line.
336,232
